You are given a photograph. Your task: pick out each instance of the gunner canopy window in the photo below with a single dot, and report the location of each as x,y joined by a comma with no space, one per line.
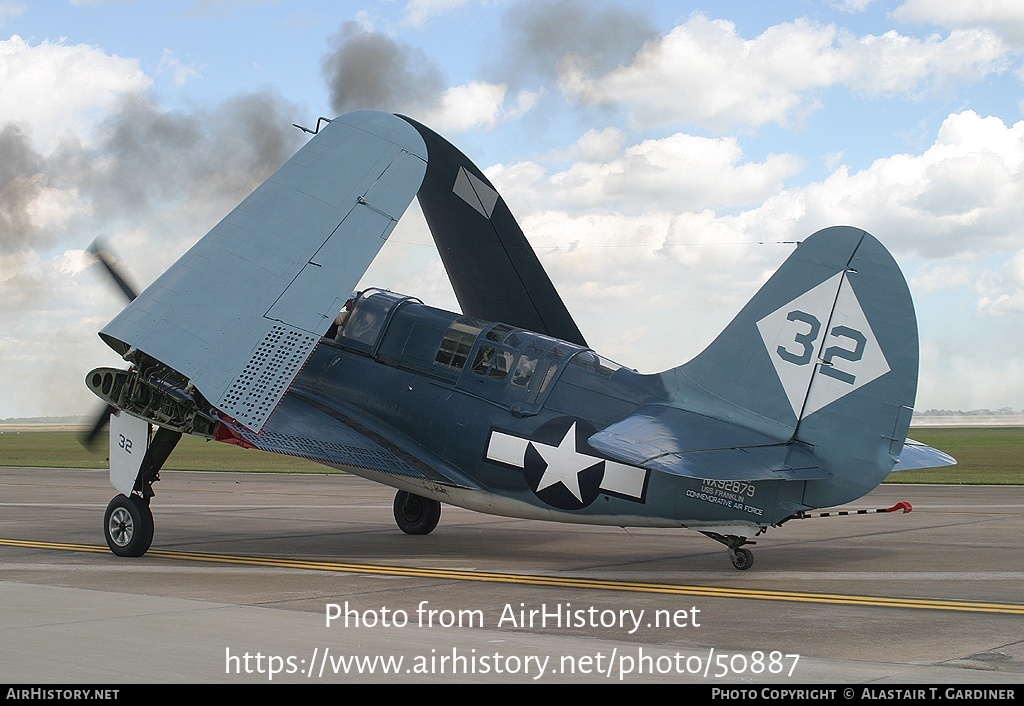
457,342
492,362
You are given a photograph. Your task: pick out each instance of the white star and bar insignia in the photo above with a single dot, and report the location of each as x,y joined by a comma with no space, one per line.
564,464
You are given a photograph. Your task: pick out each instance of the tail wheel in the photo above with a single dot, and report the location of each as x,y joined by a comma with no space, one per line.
128,526
741,558
415,514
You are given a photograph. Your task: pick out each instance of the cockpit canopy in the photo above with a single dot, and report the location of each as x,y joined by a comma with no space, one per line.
495,360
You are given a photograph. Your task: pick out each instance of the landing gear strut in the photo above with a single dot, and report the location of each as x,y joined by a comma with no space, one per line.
741,558
415,514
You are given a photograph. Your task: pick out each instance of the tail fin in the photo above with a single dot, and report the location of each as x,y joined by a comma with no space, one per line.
826,354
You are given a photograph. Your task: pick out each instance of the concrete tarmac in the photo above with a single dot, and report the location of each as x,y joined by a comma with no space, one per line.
246,569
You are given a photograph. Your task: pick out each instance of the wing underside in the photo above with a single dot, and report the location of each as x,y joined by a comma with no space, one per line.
321,430
493,268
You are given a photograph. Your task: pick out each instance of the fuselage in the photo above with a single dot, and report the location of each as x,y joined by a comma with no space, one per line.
512,410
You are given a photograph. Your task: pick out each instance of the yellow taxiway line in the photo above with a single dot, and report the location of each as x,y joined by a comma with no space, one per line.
553,581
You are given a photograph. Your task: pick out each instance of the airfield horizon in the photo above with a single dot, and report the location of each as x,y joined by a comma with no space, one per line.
986,455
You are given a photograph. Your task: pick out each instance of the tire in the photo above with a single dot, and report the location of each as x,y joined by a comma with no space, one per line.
128,526
415,514
742,559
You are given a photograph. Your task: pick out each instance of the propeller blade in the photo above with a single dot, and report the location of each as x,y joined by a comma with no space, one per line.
108,263
88,440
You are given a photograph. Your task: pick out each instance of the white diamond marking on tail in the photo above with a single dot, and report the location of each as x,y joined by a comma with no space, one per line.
821,353
475,192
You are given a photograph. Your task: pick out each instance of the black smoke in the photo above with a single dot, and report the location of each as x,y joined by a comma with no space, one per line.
540,35
22,181
368,70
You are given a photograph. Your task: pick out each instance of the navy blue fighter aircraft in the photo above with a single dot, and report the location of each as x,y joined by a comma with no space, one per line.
803,401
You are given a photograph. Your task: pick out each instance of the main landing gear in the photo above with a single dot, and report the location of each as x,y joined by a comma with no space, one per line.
741,558
128,525
128,521
415,514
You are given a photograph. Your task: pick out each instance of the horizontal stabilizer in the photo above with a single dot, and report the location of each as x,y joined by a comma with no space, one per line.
671,440
657,429
917,455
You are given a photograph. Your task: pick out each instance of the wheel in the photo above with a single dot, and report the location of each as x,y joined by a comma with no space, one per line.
128,526
416,515
742,558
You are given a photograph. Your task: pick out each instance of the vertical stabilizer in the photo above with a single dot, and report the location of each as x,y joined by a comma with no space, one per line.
825,354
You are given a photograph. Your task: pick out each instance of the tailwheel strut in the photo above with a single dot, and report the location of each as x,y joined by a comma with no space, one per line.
740,557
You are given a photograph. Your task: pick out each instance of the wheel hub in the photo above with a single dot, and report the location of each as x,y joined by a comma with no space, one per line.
121,527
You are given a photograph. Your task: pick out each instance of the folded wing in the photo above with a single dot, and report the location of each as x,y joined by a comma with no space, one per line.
241,311
493,269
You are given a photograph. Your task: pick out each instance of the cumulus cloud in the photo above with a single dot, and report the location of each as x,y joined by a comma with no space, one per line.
677,173
963,194
180,73
61,88
462,107
687,225
1001,292
681,171
1002,17
704,72
654,236
419,12
628,234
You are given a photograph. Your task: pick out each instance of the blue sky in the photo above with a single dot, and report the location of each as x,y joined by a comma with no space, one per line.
647,148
